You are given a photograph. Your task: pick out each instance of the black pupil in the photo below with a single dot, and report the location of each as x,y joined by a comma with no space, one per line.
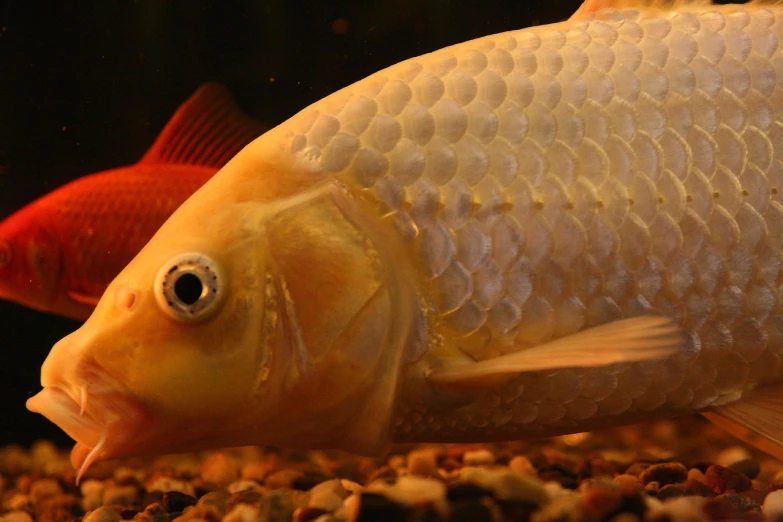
188,288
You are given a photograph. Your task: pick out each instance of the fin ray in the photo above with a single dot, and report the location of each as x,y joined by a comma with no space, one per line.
626,340
761,415
208,129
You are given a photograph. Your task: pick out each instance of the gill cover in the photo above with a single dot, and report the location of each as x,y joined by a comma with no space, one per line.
345,307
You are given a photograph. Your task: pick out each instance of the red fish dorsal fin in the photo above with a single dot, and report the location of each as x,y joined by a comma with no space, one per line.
589,7
208,129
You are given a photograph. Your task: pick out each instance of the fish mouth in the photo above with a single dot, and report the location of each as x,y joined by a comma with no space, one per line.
104,425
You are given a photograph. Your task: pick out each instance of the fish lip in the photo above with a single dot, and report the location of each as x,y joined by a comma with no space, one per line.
56,404
109,420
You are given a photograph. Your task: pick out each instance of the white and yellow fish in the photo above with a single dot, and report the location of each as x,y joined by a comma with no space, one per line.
427,254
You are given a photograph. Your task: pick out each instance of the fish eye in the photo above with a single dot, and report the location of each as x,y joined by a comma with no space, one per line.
5,254
189,287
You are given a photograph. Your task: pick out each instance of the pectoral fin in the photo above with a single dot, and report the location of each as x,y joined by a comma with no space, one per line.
758,420
627,340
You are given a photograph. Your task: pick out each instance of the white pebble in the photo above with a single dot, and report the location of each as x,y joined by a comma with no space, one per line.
242,513
350,486
326,500
165,484
478,458
416,490
678,510
333,486
773,505
243,485
507,484
17,516
351,507
103,514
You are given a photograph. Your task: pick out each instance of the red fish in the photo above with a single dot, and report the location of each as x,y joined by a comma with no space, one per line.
59,253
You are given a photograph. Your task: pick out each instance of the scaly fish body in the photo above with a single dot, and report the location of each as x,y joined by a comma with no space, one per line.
424,255
59,253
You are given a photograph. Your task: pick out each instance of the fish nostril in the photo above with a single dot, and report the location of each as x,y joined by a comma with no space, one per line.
125,298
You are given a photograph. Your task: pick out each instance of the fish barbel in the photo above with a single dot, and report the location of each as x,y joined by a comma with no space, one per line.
533,233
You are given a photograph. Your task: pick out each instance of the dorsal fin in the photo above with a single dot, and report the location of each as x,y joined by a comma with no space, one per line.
591,6
208,129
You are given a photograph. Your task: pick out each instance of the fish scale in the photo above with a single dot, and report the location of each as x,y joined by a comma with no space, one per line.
556,178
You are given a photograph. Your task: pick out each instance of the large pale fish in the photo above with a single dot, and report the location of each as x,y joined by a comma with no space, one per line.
427,254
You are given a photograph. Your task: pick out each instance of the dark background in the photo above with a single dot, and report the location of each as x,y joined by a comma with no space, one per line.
86,86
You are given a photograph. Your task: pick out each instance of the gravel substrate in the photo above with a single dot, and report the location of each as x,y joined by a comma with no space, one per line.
685,471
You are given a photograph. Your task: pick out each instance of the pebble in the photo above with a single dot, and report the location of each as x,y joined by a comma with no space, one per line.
276,506
748,467
471,511
773,505
45,487
732,455
164,484
282,478
695,474
374,507
214,499
418,491
220,468
309,480
103,514
308,514
334,486
664,473
16,516
481,457
599,502
242,513
522,465
325,500
507,485
567,479
242,485
466,490
177,501
350,486
741,503
670,491
423,462
722,479
120,495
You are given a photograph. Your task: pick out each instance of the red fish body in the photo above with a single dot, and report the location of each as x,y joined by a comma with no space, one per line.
59,253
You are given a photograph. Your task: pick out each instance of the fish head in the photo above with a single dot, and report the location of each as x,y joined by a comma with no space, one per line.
204,340
30,258
163,361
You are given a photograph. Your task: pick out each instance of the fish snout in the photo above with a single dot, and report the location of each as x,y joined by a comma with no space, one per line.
88,403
